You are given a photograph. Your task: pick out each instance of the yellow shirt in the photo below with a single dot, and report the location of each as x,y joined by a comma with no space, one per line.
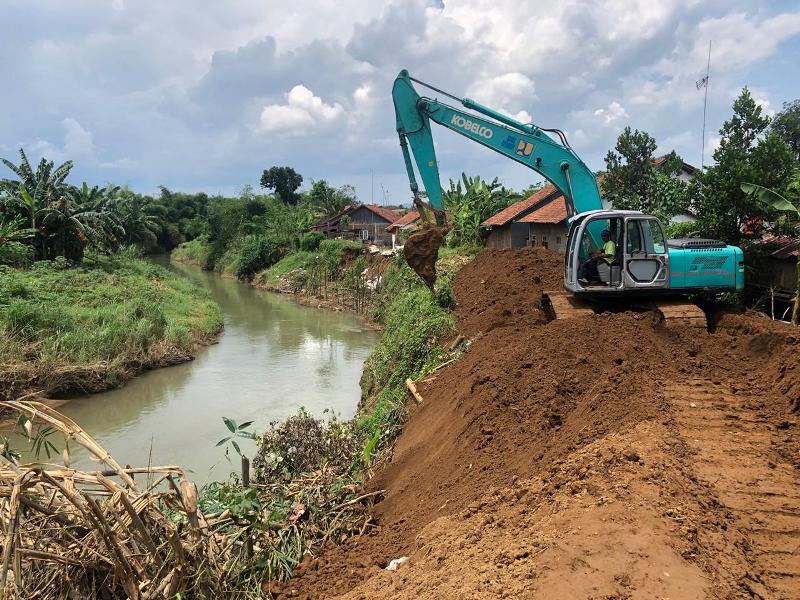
609,251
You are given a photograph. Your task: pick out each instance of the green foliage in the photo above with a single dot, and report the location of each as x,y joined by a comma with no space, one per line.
414,324
472,204
675,231
790,204
302,444
256,253
238,431
284,181
311,241
633,182
786,125
745,155
111,311
328,201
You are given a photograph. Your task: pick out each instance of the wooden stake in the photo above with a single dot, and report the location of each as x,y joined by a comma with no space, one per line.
413,389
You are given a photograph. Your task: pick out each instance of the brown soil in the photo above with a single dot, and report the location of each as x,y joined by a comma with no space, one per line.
421,250
598,458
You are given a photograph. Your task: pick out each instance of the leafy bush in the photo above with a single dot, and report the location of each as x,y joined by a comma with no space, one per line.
302,444
676,231
256,252
310,241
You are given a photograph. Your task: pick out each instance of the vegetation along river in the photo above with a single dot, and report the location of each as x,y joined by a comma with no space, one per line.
273,357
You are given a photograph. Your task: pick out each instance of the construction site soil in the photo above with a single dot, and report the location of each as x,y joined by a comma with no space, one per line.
603,457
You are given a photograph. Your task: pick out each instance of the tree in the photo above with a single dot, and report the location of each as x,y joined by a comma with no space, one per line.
284,181
472,205
744,154
327,201
632,180
790,203
786,125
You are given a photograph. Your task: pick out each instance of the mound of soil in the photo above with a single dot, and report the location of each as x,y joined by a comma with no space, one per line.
595,458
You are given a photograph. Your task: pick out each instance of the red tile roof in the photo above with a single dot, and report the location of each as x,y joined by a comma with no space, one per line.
406,219
553,212
507,214
659,161
384,213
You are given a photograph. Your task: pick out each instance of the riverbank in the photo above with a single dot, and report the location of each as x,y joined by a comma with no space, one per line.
332,274
67,330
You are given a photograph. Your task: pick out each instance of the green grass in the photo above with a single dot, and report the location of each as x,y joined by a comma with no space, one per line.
414,325
297,260
329,257
110,314
195,252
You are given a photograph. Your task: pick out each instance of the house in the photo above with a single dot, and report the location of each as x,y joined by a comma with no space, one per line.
541,219
504,229
772,263
406,222
365,222
547,224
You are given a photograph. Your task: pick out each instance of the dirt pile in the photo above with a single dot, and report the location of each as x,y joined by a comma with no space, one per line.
583,459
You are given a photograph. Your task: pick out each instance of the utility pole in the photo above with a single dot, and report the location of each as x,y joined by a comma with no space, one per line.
704,83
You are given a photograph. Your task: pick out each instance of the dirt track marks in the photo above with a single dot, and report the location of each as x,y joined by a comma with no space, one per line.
734,456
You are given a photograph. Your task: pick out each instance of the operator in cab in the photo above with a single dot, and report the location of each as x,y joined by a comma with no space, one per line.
607,253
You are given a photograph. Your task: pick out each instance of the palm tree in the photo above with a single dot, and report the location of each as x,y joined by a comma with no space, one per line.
783,204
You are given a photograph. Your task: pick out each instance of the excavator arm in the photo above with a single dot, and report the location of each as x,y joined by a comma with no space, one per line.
524,143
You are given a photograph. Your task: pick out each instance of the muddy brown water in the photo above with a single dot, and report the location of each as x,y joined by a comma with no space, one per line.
273,357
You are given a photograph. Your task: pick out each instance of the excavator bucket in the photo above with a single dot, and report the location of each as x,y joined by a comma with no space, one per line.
421,250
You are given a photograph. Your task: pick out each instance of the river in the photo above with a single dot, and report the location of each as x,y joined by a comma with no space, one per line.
273,357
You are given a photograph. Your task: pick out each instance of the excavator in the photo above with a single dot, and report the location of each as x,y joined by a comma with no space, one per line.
646,269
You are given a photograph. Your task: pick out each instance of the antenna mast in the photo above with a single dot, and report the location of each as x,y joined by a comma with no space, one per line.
704,83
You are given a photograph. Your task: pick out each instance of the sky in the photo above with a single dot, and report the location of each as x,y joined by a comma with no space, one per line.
203,95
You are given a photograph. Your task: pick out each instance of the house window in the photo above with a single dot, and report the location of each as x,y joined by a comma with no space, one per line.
558,241
532,240
544,241
365,234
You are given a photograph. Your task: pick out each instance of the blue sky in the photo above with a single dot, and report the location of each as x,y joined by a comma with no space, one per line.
202,95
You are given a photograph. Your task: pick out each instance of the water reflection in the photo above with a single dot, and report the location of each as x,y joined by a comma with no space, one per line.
273,357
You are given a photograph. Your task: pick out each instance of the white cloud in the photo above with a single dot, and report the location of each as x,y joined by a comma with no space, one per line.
78,146
301,115
613,113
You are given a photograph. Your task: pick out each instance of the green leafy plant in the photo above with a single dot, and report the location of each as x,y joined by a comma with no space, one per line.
238,431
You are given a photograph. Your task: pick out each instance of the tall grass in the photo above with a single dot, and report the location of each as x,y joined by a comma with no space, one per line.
110,314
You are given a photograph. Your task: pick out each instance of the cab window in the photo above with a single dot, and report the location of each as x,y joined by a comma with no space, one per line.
654,236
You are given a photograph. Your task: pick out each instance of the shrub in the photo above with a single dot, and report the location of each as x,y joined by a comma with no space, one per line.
311,241
303,444
256,252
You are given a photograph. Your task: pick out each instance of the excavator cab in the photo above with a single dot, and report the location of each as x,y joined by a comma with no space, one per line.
641,261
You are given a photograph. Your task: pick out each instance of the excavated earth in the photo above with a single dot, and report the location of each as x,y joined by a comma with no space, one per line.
604,457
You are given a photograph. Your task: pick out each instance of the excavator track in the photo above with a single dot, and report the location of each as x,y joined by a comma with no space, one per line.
563,305
680,313
670,312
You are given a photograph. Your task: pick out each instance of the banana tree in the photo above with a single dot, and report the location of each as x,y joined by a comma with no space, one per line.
33,192
792,207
